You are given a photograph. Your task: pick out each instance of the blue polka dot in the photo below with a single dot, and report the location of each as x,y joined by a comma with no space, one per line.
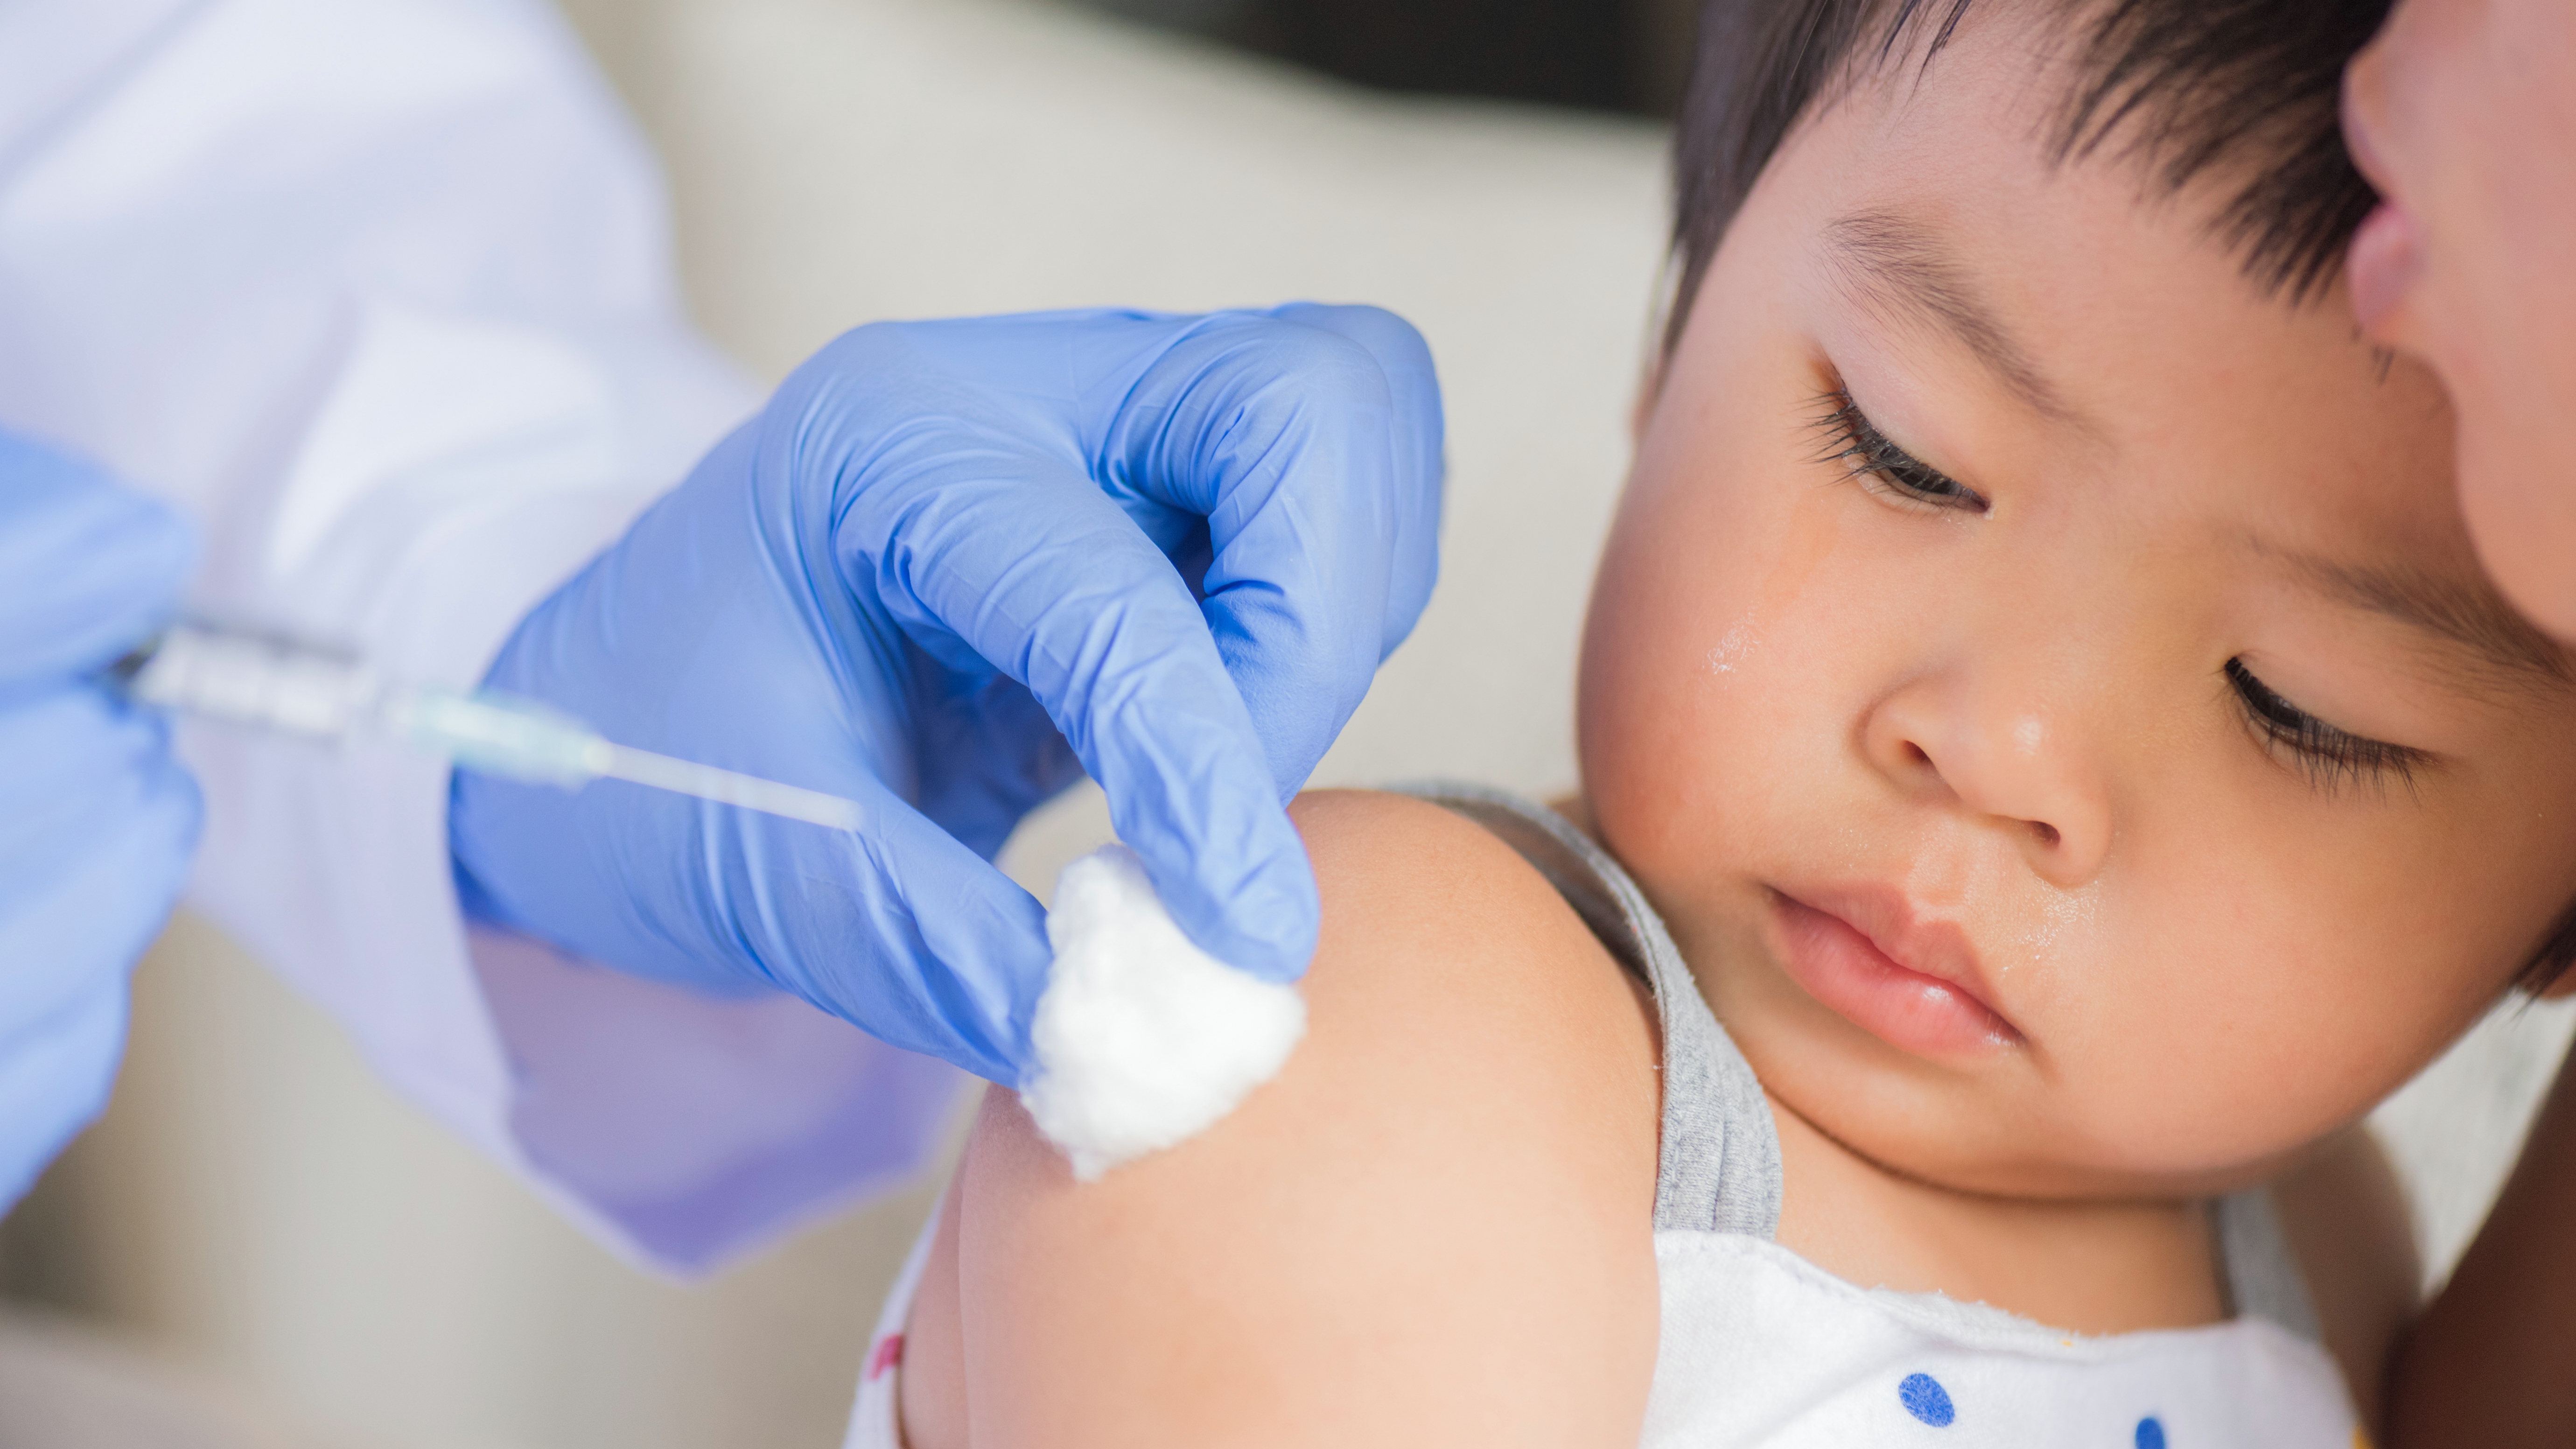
1925,1399
2151,1433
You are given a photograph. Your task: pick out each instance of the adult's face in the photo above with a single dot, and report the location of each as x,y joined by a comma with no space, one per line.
2463,113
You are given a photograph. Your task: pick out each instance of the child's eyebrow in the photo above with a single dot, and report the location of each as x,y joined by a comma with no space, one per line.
1904,271
2467,613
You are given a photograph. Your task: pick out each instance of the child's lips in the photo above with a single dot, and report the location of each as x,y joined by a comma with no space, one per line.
1909,983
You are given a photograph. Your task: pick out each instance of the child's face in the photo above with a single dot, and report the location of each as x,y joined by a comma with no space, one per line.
1841,726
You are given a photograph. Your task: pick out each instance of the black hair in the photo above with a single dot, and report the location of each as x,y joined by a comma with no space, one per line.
2557,952
2182,86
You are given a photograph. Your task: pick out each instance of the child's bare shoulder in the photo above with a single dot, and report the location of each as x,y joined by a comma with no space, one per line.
1449,973
1434,1226
1406,883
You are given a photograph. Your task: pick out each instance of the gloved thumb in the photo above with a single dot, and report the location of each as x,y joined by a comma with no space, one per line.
88,568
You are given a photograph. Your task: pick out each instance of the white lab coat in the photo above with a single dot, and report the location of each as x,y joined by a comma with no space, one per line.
380,292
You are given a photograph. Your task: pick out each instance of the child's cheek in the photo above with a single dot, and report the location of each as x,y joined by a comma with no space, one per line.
1679,650
1635,720
1694,682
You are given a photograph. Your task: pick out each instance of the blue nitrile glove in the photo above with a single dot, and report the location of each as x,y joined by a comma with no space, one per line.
940,545
96,818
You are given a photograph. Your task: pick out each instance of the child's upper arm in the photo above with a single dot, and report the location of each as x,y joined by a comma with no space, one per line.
1434,1227
2346,1218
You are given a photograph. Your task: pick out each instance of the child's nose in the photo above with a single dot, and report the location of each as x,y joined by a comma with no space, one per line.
2000,757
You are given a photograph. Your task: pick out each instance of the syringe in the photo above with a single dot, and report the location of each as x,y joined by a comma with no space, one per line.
298,688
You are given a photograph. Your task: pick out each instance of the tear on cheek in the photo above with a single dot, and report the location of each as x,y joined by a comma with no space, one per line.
1734,647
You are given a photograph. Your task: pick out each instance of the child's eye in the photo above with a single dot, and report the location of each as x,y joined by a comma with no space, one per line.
1864,452
2327,755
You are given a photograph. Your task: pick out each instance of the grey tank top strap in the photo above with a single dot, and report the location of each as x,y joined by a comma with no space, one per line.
1719,1157
2260,1275
1719,1169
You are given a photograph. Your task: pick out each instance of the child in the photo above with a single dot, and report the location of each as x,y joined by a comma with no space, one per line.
2050,764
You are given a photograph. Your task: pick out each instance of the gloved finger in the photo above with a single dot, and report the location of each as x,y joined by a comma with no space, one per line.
1028,565
1418,442
895,927
94,844
986,756
928,906
1310,439
87,568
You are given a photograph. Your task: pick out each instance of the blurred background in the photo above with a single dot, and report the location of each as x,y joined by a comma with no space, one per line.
260,1246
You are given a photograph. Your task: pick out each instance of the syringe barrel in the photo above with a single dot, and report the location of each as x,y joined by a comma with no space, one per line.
257,680
297,688
292,687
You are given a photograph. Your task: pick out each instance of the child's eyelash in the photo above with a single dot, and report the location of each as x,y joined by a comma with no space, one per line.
1863,452
2328,756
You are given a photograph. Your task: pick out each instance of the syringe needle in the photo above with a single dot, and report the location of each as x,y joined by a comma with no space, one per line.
725,787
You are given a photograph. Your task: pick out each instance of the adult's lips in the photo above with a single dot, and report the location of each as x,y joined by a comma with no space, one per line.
2386,256
2387,251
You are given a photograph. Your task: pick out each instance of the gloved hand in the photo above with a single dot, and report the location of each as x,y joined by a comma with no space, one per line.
950,566
96,819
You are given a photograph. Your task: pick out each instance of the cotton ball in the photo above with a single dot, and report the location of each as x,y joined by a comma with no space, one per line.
1143,1040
